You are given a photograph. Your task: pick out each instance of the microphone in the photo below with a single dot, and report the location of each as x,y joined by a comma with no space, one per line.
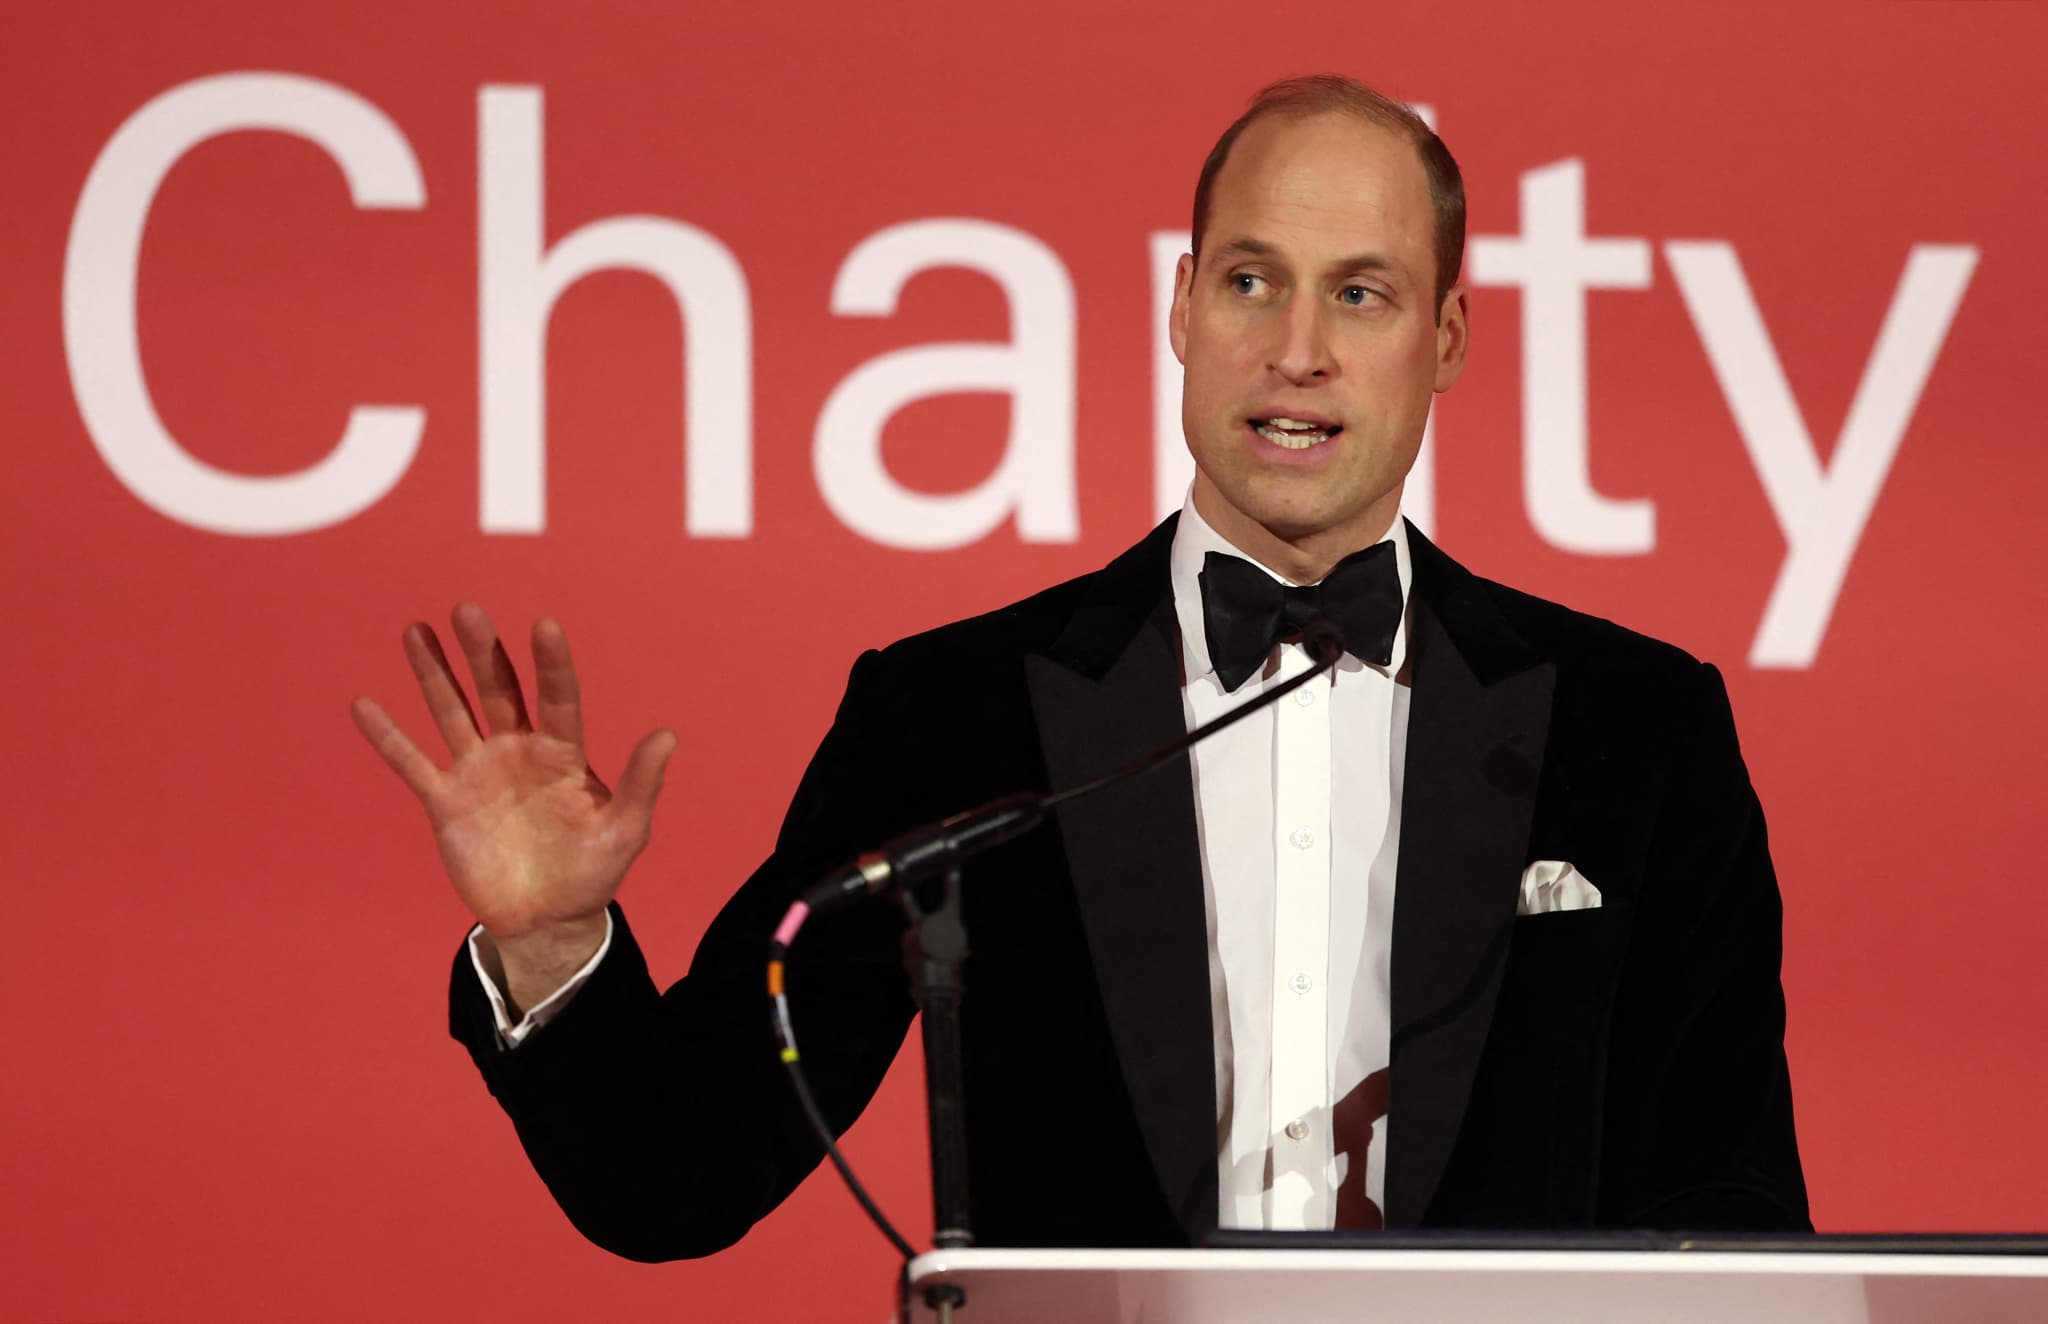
937,946
1323,641
933,849
922,852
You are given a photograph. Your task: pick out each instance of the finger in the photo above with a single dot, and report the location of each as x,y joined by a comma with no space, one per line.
497,684
558,698
443,693
645,770
394,746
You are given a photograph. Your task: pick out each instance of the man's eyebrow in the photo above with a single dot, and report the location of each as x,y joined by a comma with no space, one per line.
1245,246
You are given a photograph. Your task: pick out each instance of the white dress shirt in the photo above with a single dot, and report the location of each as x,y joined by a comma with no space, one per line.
1297,809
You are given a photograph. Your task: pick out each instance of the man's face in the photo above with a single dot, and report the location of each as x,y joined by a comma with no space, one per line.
1312,303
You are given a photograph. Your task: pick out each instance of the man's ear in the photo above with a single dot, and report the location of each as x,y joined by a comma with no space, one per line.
1177,316
1453,333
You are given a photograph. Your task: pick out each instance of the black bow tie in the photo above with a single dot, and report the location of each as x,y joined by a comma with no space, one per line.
1245,611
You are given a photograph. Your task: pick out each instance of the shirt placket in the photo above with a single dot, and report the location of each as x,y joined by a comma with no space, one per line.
1299,1196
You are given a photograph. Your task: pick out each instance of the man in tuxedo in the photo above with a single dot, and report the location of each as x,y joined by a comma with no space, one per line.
1478,929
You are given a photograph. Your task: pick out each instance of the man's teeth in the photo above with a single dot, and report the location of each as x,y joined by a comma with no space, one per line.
1293,434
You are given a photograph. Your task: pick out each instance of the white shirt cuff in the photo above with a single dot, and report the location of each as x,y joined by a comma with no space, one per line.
510,1035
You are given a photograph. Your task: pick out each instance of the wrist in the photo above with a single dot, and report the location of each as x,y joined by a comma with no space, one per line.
532,966
551,939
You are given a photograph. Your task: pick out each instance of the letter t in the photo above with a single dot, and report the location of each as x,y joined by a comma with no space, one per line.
1554,264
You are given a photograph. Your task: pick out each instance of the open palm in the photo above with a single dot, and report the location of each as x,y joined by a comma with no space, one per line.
529,835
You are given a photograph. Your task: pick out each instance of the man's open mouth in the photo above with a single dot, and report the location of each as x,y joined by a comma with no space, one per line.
1295,434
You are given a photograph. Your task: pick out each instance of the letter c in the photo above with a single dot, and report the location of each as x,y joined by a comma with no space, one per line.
101,345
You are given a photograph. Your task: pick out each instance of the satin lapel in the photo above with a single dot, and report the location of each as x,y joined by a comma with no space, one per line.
1108,692
1479,715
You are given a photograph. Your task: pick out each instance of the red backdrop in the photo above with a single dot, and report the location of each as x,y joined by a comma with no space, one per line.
1756,314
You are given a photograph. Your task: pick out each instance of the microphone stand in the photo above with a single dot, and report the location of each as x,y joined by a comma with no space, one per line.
934,952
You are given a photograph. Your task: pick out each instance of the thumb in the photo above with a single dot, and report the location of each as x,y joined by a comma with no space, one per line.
646,768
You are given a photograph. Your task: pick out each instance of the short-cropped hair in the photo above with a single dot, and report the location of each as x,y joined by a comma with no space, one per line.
1317,94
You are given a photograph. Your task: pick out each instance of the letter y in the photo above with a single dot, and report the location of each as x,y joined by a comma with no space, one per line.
1822,511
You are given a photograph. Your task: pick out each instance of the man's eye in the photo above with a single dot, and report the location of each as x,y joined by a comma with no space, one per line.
1244,283
1355,295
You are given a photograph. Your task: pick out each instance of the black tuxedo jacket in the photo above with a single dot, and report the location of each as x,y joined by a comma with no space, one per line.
1614,1067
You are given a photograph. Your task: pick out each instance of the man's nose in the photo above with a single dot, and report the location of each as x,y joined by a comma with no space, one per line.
1301,349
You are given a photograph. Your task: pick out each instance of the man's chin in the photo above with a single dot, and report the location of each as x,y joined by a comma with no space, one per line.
1295,511
1290,508
1304,524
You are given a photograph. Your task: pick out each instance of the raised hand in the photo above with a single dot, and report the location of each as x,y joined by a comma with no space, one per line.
534,843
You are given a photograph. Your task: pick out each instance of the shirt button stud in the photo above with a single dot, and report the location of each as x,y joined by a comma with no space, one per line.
1297,1130
1305,697
1302,838
1301,983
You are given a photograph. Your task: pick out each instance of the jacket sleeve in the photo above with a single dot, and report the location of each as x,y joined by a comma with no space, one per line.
664,1123
1699,1103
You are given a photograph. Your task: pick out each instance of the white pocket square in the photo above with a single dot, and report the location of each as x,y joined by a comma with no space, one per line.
1549,885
